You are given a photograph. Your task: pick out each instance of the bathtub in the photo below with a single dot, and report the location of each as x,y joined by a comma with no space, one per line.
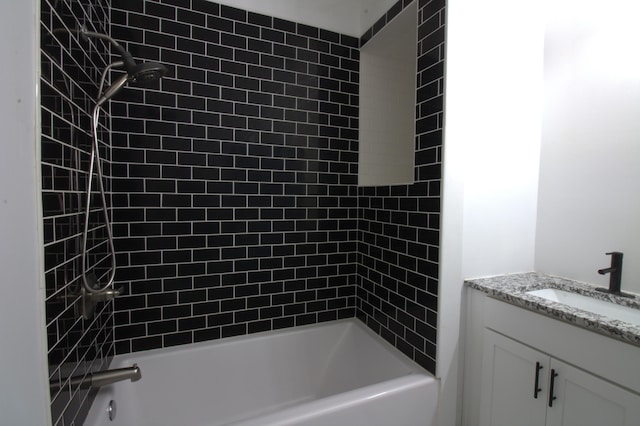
331,374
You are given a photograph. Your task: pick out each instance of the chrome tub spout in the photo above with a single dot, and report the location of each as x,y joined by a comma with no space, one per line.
102,378
107,377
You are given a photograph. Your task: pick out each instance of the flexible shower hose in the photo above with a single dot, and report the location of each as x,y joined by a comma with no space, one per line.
91,285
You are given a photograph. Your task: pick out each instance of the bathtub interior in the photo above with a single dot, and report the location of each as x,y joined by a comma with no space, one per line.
245,377
359,359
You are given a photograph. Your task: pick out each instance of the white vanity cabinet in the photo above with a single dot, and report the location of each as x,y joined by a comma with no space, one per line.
583,378
523,386
510,373
584,399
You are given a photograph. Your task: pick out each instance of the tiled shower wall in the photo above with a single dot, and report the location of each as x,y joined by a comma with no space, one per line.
235,185
235,176
398,242
237,197
70,68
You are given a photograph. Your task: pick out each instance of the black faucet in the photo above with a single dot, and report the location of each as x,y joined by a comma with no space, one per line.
615,279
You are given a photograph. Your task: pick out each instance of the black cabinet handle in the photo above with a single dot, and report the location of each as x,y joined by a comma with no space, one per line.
537,387
553,381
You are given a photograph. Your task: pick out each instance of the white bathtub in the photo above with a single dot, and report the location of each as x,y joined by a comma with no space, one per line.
332,374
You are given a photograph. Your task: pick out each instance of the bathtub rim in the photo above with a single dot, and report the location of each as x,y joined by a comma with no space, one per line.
415,377
339,401
130,358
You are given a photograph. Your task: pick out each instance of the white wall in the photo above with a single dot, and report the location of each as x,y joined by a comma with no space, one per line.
589,201
23,368
588,151
388,64
352,17
491,157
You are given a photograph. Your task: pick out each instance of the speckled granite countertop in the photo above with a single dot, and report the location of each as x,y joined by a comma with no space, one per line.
513,288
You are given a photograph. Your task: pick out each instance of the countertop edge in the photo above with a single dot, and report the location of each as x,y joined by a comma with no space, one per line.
512,289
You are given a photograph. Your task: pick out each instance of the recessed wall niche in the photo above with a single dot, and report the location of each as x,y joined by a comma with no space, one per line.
387,103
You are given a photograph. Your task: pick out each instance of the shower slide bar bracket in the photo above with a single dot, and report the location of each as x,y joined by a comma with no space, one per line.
85,302
91,300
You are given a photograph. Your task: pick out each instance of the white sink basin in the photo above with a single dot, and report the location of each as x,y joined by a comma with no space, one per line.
589,304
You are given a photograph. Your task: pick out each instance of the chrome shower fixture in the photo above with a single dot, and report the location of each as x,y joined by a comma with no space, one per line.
99,378
138,74
141,75
128,62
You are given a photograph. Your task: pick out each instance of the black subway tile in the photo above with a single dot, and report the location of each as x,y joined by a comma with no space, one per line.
254,163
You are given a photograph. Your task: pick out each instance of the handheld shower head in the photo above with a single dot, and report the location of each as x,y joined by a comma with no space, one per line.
141,75
112,90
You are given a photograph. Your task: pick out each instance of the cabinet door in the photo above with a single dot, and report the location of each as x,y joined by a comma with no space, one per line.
586,400
509,371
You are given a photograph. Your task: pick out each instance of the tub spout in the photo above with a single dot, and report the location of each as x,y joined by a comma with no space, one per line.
101,378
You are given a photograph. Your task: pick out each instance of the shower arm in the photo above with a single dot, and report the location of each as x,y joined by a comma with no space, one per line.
127,60
114,88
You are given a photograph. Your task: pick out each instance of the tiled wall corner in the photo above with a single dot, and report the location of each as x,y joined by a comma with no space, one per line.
234,179
70,69
399,226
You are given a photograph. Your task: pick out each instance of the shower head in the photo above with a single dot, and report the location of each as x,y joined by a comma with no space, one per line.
142,75
139,74
147,72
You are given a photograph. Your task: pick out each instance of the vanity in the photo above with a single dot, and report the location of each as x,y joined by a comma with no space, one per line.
542,350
